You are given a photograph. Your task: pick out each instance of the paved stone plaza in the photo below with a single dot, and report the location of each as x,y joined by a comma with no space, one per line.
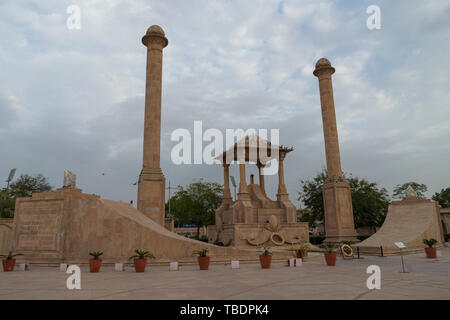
428,279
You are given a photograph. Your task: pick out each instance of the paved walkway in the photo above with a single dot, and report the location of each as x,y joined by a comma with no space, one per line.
428,279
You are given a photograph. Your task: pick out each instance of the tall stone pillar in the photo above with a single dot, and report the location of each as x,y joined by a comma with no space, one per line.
282,193
339,224
226,198
261,176
243,193
151,185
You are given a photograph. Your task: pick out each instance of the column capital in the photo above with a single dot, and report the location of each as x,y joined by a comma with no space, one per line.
155,36
323,68
260,165
226,197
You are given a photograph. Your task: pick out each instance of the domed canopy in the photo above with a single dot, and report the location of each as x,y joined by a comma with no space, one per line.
253,149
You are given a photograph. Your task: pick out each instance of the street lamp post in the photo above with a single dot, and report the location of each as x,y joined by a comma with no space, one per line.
169,188
10,177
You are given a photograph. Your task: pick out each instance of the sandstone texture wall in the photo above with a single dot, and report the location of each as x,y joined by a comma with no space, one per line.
66,225
409,221
6,226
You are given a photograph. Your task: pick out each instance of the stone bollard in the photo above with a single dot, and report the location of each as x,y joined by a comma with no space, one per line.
174,266
119,267
24,267
291,262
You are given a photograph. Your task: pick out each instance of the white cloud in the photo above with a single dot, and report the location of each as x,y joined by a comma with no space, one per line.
75,98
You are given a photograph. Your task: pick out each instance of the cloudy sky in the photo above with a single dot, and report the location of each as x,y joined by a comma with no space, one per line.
74,99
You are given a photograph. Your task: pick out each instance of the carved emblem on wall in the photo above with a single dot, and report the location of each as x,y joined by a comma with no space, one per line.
273,233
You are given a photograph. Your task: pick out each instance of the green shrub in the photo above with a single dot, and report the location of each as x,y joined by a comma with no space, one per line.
141,254
265,251
96,254
362,237
329,247
316,240
447,237
203,238
10,255
200,253
430,242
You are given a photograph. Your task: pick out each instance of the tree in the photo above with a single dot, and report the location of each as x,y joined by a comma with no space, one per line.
196,204
23,186
27,184
400,190
7,203
370,203
443,198
311,196
307,215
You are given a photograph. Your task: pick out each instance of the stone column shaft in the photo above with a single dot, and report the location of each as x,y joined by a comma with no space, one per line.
338,211
329,122
153,84
282,191
243,193
226,184
151,185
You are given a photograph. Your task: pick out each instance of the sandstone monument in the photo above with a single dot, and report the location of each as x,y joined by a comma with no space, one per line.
254,219
152,184
339,224
408,221
65,225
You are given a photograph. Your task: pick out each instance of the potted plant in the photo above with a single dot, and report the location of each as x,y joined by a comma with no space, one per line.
140,259
265,258
8,261
300,250
330,254
203,259
95,263
430,250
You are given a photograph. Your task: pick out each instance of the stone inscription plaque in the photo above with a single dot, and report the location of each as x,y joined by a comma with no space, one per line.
39,226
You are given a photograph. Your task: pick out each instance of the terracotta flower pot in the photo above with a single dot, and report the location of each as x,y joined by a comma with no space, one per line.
330,258
303,253
203,262
139,265
431,253
8,265
94,265
265,261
